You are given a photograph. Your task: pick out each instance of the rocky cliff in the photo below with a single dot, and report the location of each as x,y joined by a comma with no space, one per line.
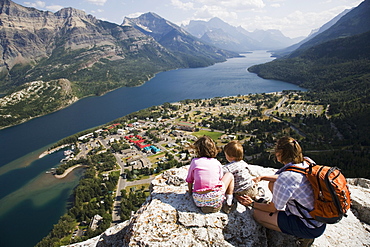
95,56
41,45
67,44
185,46
170,218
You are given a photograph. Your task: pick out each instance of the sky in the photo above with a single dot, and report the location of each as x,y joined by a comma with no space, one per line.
294,18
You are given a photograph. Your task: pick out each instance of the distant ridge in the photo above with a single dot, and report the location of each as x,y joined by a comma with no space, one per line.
79,47
177,40
354,22
314,33
94,56
335,66
221,34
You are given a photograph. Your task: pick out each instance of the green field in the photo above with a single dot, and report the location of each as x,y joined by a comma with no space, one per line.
214,135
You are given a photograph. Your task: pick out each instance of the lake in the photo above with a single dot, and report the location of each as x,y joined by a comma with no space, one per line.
31,201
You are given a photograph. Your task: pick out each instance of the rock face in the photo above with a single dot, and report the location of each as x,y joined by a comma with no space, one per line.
219,33
95,56
66,39
170,218
177,40
41,45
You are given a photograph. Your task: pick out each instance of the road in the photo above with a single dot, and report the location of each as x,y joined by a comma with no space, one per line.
122,183
279,104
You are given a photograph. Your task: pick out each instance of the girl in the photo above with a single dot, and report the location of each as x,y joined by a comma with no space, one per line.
282,213
205,179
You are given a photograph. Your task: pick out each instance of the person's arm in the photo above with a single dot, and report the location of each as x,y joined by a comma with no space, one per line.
190,188
247,201
190,179
270,178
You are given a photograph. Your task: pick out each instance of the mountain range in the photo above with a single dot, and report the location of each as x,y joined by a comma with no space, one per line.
90,55
335,66
70,44
223,35
93,57
354,22
191,50
326,26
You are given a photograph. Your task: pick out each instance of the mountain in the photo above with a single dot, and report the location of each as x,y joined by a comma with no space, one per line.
325,66
94,56
268,39
38,45
354,22
336,70
186,47
314,33
170,218
70,44
223,35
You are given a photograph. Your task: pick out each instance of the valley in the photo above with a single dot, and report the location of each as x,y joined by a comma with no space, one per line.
157,93
145,143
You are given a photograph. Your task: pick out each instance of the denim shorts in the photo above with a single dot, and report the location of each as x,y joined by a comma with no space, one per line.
293,225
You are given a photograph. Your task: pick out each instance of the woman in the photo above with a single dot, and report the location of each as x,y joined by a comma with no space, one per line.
282,214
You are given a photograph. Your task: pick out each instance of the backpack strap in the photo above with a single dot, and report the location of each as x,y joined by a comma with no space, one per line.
299,206
296,169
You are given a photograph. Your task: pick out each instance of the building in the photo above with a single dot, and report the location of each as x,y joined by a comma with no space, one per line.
186,126
89,135
121,131
152,148
95,222
137,140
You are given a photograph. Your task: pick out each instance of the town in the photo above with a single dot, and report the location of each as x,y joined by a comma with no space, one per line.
151,140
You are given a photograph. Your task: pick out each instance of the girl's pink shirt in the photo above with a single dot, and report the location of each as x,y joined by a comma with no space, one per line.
205,174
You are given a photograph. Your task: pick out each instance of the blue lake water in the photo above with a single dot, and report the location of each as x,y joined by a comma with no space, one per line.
32,201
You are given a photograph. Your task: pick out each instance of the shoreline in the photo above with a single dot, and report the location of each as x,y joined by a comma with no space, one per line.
66,172
47,152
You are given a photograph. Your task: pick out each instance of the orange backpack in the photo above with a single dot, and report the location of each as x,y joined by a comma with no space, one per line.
332,196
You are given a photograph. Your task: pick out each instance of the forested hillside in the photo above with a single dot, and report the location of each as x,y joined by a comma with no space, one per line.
94,56
355,22
338,73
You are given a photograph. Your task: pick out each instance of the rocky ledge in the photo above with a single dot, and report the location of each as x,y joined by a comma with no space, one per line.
170,218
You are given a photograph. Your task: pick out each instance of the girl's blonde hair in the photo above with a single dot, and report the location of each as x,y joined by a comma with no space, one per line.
289,150
205,147
234,149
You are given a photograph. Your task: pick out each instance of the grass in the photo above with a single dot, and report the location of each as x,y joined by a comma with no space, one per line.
154,158
137,187
214,135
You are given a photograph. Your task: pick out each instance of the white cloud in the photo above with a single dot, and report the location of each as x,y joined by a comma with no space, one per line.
212,7
54,8
182,5
275,5
297,23
36,4
135,15
242,4
42,5
97,11
97,2
207,12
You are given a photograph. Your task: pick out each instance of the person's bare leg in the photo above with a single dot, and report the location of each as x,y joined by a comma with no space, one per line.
267,219
228,180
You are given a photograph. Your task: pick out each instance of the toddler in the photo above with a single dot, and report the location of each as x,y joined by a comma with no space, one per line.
243,180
